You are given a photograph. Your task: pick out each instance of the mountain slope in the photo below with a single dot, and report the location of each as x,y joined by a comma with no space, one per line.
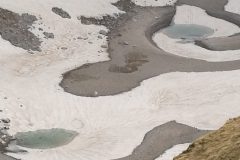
222,144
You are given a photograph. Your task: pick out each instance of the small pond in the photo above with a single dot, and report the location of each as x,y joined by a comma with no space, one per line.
187,31
45,139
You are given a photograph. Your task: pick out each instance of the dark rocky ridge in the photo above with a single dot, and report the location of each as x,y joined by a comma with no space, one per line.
15,29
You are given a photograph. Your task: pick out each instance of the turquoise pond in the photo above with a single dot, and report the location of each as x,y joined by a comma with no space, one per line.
187,31
45,139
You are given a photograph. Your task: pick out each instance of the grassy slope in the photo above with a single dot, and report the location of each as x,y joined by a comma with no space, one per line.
223,144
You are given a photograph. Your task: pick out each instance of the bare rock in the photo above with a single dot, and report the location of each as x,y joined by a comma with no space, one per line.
103,32
61,12
48,35
104,46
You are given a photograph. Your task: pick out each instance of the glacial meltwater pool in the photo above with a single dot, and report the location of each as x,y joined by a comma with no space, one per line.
45,139
187,31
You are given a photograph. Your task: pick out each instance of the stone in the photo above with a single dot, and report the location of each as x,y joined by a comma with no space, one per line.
6,120
48,35
64,48
61,12
104,46
103,32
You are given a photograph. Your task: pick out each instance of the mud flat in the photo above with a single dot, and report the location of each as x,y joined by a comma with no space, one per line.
134,56
162,138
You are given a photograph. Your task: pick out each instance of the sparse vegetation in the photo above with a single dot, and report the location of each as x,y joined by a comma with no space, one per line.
223,144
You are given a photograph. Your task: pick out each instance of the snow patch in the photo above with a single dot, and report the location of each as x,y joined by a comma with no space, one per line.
109,127
173,152
233,6
155,2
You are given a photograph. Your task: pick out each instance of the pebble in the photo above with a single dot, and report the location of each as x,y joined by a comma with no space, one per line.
104,46
5,120
48,35
125,43
64,48
103,32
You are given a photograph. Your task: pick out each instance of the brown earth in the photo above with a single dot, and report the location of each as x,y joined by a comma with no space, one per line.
223,144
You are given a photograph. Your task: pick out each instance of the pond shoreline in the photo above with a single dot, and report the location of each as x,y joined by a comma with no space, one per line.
134,55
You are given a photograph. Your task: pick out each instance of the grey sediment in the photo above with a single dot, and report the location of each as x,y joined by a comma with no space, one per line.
15,29
140,58
162,138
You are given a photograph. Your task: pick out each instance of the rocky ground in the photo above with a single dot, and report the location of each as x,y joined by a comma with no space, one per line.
222,144
5,138
15,29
